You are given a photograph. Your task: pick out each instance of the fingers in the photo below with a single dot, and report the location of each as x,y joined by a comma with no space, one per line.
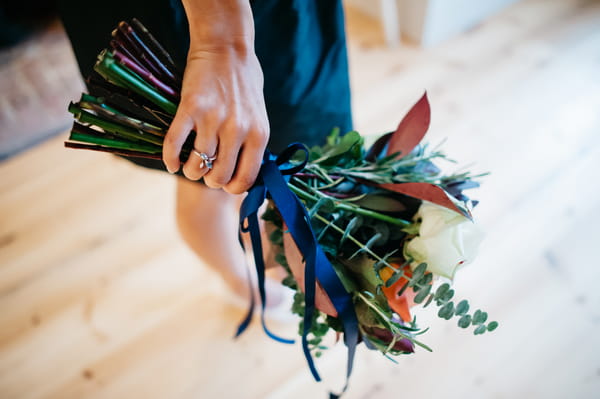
248,165
206,142
230,140
238,151
177,134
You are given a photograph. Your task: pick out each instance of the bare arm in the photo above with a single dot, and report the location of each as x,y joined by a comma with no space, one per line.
221,98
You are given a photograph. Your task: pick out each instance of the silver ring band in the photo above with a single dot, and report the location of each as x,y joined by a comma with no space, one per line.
207,161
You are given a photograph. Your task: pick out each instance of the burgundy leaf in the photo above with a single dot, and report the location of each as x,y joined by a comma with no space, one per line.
411,129
378,147
427,192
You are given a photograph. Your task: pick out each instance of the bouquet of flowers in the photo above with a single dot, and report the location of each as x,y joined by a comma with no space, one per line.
365,234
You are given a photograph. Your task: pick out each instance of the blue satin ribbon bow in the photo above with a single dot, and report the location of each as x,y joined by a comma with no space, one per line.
271,183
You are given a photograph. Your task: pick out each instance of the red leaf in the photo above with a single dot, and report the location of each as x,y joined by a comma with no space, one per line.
427,192
411,129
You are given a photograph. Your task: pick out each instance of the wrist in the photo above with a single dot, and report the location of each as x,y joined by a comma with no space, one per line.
220,25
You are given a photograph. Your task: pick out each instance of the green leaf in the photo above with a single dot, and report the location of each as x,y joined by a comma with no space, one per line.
418,273
429,300
281,259
323,204
480,330
289,281
492,326
464,321
338,146
423,292
479,317
276,237
446,311
462,308
441,291
354,224
402,289
395,277
448,295
426,279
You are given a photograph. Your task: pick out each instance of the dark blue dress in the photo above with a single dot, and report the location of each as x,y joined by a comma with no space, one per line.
300,44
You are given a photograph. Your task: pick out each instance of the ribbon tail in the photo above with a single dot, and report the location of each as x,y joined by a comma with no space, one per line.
309,311
254,229
248,318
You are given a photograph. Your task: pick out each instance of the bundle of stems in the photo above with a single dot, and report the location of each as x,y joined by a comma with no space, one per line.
133,96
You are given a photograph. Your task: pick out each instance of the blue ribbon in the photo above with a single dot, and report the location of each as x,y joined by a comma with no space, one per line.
271,182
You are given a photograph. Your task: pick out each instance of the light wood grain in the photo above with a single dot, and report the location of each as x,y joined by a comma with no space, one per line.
99,298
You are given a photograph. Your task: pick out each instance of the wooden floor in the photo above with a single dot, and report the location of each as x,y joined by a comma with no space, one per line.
100,299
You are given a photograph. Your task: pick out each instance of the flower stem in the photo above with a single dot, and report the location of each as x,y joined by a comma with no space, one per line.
113,127
395,330
346,206
109,69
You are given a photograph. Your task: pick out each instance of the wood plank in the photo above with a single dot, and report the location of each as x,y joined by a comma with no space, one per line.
100,299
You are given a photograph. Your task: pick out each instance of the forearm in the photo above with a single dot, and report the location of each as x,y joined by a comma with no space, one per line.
218,24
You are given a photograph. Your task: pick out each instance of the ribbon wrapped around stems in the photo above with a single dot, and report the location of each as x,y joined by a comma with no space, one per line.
271,183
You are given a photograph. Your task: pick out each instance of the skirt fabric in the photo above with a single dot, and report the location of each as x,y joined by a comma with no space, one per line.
300,44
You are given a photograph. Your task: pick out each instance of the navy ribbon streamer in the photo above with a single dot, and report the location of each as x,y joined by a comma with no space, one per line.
271,182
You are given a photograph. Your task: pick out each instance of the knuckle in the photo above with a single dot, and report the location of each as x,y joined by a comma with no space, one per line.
232,126
260,134
217,180
190,174
221,181
240,184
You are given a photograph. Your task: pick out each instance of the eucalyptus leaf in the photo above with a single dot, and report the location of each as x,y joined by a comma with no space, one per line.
480,330
479,317
462,308
395,277
429,300
423,292
446,311
418,273
276,237
464,321
354,224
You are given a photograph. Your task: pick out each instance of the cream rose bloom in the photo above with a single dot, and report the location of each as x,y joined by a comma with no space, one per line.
446,240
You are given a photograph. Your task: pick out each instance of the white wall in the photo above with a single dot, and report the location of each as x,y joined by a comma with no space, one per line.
429,22
441,19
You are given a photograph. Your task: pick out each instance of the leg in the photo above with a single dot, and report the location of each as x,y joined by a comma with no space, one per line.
208,223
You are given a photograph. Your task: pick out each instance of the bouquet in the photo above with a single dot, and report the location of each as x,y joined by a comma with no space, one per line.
366,235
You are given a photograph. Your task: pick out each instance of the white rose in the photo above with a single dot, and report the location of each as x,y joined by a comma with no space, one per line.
446,240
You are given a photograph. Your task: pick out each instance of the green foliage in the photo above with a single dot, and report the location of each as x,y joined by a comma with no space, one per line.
464,321
423,294
446,311
480,330
462,308
361,229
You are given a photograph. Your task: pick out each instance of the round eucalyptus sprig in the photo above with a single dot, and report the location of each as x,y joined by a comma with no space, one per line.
421,283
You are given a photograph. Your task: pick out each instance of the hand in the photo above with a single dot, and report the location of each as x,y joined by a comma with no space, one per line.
222,100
